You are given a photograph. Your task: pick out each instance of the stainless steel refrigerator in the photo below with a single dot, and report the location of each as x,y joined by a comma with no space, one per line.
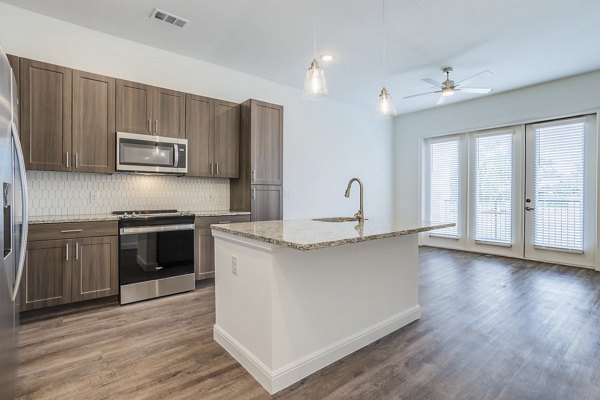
13,226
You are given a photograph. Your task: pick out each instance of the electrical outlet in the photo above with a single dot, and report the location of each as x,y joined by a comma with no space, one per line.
93,197
234,269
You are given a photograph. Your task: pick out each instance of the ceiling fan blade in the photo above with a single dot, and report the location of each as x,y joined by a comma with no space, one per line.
441,100
474,76
432,82
421,94
475,90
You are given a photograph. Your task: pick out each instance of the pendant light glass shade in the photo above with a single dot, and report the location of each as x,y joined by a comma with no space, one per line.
315,85
386,107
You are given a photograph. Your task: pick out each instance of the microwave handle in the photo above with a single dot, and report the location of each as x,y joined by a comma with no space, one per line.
176,157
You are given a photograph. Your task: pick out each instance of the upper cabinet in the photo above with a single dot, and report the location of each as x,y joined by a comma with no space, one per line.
134,107
45,115
149,110
213,134
266,131
169,113
226,139
93,122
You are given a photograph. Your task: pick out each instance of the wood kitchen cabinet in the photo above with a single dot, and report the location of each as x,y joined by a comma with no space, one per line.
67,118
267,203
212,131
46,277
266,137
69,262
204,254
149,110
95,268
45,105
93,123
259,188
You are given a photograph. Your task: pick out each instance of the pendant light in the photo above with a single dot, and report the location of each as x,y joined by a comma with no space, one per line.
315,85
385,107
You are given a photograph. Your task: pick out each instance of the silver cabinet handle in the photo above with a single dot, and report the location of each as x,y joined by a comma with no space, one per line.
217,168
212,170
76,160
149,125
77,250
254,193
67,159
71,230
25,211
224,222
156,126
67,252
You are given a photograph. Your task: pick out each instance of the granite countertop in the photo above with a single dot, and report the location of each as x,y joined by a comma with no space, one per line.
303,234
54,219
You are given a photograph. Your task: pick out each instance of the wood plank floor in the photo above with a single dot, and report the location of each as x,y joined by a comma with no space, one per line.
492,328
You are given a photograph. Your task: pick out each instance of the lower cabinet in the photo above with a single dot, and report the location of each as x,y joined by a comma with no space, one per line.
64,270
267,203
205,243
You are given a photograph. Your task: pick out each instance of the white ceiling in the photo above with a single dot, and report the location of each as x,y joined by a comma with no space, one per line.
523,42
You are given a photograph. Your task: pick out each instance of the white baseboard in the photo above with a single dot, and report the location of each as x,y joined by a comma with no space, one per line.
274,381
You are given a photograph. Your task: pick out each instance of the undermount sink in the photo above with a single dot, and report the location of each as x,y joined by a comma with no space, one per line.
337,219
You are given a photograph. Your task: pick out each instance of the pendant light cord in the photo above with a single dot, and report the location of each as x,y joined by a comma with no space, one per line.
383,39
315,29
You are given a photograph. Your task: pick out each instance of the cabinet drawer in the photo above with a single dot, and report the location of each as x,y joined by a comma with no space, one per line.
72,230
206,222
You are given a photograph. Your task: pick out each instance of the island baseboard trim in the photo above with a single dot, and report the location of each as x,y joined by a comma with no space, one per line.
275,380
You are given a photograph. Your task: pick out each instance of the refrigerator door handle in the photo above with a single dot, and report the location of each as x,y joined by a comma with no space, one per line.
25,200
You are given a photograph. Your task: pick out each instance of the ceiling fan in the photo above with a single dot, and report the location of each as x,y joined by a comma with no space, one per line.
449,87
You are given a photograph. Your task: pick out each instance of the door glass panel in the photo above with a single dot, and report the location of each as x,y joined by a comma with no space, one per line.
559,186
444,185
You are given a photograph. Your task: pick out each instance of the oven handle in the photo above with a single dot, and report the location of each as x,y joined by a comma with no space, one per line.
151,229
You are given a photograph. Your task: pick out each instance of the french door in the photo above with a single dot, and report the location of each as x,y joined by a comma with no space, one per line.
559,207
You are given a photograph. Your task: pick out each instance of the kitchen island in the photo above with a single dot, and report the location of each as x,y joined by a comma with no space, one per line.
295,296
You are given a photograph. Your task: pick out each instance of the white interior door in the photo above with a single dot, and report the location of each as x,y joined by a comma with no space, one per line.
560,191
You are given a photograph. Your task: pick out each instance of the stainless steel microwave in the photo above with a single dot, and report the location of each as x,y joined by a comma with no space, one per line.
153,154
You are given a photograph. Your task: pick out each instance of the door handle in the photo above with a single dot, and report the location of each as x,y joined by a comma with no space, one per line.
25,212
529,208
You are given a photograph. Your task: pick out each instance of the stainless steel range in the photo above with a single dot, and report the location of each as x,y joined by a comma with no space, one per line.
156,254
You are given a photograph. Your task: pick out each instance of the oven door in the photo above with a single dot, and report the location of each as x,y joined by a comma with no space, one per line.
155,252
144,153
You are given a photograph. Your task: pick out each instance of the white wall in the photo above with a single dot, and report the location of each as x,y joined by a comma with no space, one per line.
559,98
325,143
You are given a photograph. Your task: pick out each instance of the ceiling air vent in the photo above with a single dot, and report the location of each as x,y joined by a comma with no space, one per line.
168,18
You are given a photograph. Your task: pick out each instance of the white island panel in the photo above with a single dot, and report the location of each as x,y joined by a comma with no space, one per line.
288,313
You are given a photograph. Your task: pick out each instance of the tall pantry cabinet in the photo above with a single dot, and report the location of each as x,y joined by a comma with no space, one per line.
260,186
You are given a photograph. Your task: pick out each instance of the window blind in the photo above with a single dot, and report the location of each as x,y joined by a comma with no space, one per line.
443,189
559,185
493,188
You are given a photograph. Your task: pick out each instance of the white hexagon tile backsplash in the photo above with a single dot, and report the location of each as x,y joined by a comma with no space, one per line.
63,193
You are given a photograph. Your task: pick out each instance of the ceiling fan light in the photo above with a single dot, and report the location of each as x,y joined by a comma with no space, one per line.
448,91
386,107
315,85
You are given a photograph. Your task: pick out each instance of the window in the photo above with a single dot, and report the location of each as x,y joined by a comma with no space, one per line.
443,184
559,185
493,188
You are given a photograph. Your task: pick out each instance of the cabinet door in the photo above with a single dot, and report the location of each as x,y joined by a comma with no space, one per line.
169,113
133,107
267,143
47,274
95,264
93,122
227,139
267,203
45,115
199,133
205,259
